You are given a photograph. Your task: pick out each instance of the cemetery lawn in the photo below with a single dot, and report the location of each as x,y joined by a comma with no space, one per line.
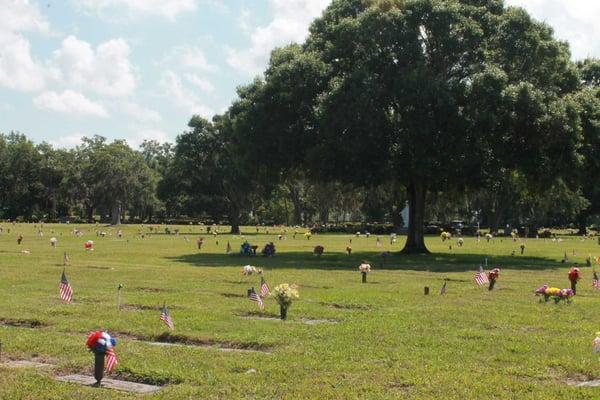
380,340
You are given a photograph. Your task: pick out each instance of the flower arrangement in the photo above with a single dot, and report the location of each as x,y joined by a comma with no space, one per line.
493,277
596,343
364,269
308,234
488,237
460,242
100,342
53,241
574,276
445,236
89,245
318,250
249,270
284,294
555,294
349,250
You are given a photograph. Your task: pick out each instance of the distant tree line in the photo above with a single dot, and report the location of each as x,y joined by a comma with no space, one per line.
463,109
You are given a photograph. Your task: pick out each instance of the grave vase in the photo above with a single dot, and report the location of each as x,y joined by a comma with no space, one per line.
98,366
283,312
364,277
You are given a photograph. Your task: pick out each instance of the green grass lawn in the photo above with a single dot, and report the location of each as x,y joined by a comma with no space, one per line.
389,340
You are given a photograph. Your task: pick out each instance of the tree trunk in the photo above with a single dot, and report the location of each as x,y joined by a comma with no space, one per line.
116,214
234,220
89,211
324,216
415,242
582,224
296,203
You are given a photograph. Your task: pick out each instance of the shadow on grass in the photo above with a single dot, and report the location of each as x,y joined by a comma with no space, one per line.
438,262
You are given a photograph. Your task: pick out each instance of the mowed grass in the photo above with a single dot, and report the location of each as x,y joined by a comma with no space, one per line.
390,341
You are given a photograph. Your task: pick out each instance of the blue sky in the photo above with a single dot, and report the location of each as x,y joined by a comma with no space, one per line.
138,69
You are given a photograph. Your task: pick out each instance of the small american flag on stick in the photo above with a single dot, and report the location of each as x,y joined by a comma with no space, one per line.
253,296
443,289
264,288
111,360
596,281
480,277
66,292
166,318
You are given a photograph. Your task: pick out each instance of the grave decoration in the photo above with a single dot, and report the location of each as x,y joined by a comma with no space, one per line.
284,294
555,294
364,269
493,277
574,276
102,345
318,250
269,249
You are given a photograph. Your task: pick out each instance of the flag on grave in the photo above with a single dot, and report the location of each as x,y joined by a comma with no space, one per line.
228,249
253,296
111,360
166,318
596,281
264,288
66,292
480,277
66,260
443,289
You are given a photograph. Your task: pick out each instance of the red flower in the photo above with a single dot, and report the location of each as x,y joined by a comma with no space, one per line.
92,339
574,274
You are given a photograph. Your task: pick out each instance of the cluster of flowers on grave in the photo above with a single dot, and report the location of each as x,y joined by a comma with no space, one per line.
249,270
364,268
285,293
100,342
553,293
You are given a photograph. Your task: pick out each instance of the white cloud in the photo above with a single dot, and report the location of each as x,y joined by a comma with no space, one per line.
21,16
173,90
201,83
291,19
140,113
194,58
575,21
187,57
105,70
168,9
142,133
18,68
69,141
70,102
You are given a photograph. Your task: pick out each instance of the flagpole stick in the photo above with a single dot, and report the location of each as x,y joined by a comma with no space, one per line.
119,296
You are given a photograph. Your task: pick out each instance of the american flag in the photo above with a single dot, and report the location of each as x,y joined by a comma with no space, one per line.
596,281
166,318
264,288
66,292
253,296
443,289
480,277
111,360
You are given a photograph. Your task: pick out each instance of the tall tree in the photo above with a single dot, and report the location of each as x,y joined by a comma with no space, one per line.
208,171
433,94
